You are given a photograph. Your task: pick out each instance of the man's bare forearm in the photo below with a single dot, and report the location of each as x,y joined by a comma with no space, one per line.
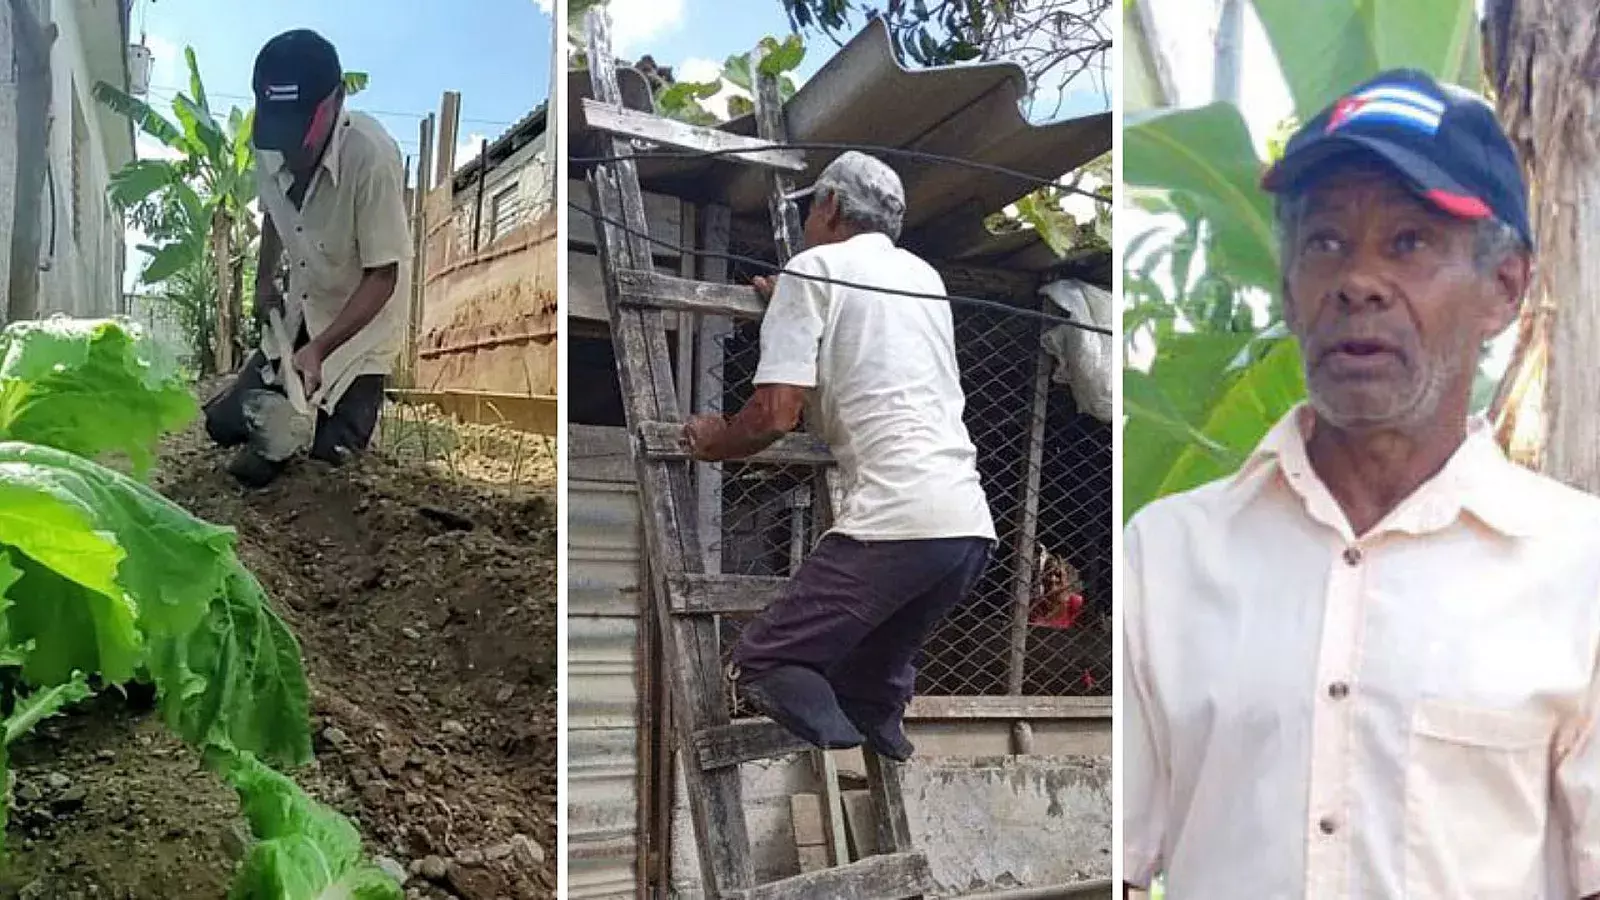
376,287
773,412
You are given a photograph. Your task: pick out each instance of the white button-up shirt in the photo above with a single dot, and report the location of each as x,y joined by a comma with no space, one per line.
1404,714
353,218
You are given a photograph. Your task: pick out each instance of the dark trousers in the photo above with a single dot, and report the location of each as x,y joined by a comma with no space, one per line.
348,429
858,613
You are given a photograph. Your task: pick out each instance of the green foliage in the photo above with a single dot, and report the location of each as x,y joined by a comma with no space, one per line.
90,387
681,100
304,850
1042,211
103,578
1219,379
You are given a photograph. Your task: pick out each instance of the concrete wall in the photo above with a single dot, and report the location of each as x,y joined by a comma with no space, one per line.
1045,820
82,268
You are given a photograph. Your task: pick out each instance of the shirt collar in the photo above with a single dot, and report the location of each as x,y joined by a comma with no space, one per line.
275,162
1478,479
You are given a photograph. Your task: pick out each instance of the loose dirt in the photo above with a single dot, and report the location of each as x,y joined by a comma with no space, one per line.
425,604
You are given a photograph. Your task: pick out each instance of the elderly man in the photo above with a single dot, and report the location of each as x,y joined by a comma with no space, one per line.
833,659
1364,666
332,189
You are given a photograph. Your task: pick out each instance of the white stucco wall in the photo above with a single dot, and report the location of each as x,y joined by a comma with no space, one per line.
81,275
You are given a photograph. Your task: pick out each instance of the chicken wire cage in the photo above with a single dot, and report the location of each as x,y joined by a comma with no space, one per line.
1039,623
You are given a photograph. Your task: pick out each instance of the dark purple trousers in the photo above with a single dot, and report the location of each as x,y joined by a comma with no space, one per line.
858,612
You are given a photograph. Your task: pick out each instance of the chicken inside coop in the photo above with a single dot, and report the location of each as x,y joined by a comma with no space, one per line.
1058,600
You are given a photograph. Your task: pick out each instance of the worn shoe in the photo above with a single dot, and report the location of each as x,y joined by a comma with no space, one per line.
881,726
802,702
253,470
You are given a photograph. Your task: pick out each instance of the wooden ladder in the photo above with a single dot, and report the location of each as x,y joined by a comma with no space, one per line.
688,600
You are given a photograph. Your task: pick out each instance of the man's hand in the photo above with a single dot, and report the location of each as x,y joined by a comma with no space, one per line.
268,299
308,360
764,286
701,432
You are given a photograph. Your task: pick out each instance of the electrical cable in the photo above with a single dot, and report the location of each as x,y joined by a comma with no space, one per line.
919,155
763,264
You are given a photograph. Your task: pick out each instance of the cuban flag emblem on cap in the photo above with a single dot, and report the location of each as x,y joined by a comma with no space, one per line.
1405,107
283,92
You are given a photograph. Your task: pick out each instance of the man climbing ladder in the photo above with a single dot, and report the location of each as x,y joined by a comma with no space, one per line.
833,659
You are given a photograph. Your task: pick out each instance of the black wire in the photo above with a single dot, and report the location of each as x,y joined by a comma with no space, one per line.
921,155
776,270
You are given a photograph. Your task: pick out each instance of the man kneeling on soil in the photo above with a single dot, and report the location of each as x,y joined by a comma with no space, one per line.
833,659
332,188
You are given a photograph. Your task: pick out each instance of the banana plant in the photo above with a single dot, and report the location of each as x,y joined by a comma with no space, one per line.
196,205
1219,379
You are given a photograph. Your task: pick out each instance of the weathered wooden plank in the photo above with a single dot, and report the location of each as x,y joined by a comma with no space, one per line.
723,595
664,440
652,290
1023,549
698,138
889,877
710,332
660,210
586,291
746,740
930,708
692,651
888,799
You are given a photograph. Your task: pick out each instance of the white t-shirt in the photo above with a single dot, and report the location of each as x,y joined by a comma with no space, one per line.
888,396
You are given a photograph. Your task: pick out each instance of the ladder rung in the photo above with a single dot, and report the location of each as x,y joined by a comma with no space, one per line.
891,877
632,123
696,594
746,740
664,440
638,288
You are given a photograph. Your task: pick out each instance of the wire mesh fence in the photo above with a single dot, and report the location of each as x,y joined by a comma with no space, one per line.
1039,622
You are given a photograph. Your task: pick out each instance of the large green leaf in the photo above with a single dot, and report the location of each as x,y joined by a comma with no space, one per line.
1261,395
197,86
237,678
204,133
1326,48
304,850
135,182
144,117
1205,156
90,386
1166,407
71,627
44,703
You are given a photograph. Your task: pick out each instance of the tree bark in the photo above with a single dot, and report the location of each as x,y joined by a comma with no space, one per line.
1543,60
221,253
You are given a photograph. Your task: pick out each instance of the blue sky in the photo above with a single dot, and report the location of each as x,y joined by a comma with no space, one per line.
694,36
498,56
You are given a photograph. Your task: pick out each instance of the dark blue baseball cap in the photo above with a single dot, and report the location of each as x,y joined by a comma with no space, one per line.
1444,141
294,73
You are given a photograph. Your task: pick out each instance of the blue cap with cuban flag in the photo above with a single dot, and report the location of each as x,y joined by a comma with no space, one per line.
1444,141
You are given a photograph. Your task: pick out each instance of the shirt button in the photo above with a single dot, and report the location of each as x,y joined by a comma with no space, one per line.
302,264
299,228
1352,556
1338,690
1327,825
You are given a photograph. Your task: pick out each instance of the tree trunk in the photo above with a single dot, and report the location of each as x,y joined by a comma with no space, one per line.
221,253
1543,59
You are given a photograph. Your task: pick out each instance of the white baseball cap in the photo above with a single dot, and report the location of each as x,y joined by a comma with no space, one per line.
867,181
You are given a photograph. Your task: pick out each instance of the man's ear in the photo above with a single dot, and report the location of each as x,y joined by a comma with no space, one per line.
1511,281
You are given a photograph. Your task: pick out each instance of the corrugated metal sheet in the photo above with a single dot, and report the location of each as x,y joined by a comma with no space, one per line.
864,96
603,539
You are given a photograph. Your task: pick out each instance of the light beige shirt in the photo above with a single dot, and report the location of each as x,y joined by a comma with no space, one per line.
1408,714
353,218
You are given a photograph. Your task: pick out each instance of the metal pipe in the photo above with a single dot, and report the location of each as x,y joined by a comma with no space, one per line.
1079,890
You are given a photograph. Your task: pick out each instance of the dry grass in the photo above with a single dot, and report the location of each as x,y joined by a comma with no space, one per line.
487,454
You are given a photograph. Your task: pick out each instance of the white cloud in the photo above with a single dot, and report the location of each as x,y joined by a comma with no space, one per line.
544,5
634,23
704,70
467,149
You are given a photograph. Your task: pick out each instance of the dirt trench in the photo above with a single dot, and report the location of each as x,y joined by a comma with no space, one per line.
425,605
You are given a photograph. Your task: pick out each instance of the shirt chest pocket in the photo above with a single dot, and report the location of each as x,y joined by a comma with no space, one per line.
1476,802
